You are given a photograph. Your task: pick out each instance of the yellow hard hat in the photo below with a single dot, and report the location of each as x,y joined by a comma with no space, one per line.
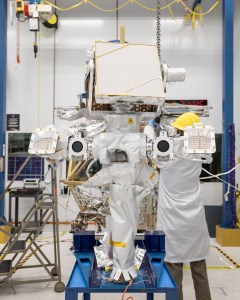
186,119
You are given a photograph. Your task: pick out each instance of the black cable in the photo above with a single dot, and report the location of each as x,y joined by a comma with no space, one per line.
195,3
157,119
18,18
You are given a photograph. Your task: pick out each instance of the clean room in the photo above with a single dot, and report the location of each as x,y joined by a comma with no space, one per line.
119,149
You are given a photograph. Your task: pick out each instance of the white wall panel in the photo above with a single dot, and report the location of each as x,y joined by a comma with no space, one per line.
199,52
30,81
73,38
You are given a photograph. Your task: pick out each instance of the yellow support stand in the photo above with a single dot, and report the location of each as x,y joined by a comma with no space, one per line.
228,237
122,35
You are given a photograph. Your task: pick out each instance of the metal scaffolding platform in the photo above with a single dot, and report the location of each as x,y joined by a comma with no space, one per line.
23,244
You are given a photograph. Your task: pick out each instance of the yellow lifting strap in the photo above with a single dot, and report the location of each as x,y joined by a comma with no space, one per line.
117,244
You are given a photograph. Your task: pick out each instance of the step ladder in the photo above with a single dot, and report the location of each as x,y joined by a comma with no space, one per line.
23,242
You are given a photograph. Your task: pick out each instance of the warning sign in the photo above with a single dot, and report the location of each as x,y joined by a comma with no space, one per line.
13,122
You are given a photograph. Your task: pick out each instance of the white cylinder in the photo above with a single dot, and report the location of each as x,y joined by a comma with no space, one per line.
176,74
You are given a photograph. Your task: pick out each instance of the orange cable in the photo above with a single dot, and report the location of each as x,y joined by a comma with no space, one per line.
125,291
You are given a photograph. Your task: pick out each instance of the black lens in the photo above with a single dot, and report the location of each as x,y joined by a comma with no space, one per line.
77,147
163,146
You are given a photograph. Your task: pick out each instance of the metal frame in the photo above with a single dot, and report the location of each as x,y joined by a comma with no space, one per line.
3,63
48,203
32,245
83,278
15,194
227,105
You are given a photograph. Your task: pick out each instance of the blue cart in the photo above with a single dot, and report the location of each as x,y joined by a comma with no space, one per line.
153,275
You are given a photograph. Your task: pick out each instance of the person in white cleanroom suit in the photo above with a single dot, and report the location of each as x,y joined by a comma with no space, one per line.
181,212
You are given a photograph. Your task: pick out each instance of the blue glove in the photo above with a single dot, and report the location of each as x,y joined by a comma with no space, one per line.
153,123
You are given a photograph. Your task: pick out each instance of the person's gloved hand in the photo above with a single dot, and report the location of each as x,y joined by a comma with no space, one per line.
171,131
153,123
149,129
149,132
